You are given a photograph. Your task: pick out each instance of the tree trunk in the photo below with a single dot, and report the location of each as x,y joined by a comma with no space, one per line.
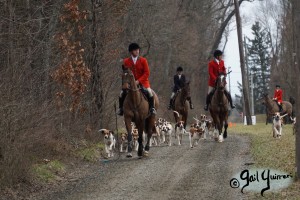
296,29
242,60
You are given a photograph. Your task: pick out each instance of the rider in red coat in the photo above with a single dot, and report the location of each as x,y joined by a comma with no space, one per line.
278,97
140,69
215,68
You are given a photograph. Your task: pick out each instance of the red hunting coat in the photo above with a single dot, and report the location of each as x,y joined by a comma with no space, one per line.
140,70
214,70
278,95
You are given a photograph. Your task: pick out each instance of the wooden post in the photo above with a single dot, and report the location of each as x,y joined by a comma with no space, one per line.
242,60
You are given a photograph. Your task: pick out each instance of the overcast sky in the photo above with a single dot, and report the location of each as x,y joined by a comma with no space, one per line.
231,54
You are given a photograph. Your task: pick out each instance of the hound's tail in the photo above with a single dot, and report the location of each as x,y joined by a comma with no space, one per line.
176,113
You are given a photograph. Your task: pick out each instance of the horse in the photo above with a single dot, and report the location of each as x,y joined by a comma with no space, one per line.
136,109
181,106
218,108
272,107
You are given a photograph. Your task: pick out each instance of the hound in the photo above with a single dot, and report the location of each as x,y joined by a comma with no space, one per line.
182,131
135,137
123,141
109,141
167,130
277,125
160,121
195,135
209,128
155,139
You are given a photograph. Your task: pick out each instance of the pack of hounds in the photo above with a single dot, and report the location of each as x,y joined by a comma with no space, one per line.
166,132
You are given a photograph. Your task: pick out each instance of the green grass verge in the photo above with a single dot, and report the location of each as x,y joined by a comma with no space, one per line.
48,172
271,153
91,153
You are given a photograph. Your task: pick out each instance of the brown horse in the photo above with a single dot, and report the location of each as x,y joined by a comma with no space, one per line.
272,107
219,108
136,109
181,106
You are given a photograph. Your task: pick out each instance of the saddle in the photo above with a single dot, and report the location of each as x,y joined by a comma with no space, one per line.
279,106
145,93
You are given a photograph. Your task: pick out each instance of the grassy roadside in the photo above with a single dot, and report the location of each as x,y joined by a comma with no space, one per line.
50,171
272,153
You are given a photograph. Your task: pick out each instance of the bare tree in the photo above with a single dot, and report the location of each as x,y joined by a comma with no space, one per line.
296,27
243,68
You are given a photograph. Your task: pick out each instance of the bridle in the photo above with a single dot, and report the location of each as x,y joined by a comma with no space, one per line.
127,73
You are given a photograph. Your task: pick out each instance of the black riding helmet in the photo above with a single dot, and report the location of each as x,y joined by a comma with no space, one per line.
133,46
278,86
218,53
179,69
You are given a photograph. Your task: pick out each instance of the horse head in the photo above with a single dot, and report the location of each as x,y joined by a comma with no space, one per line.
127,79
221,82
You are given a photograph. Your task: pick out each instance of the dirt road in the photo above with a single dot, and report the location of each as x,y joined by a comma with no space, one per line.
176,172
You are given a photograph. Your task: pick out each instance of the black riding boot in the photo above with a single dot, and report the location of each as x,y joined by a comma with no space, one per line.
151,106
170,104
208,98
228,95
207,102
121,101
191,104
280,108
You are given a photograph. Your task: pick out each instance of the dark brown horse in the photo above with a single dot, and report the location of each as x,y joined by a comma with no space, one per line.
136,109
272,107
181,106
219,108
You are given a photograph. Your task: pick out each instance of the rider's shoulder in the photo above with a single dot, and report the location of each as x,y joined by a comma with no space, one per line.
126,59
142,58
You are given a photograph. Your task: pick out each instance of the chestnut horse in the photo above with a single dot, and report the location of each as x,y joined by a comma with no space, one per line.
219,108
136,109
181,106
272,107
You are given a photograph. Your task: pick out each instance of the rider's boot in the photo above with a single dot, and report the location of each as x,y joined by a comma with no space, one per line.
191,104
170,104
280,108
228,95
151,105
208,96
121,102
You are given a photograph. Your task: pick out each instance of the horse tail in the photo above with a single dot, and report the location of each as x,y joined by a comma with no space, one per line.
292,100
176,113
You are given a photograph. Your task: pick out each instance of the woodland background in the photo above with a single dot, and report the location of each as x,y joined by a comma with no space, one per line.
61,60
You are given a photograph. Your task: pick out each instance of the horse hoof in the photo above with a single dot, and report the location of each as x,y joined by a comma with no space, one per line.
146,153
129,155
140,154
220,139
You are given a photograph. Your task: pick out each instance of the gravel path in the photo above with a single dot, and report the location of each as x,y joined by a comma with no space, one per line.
176,172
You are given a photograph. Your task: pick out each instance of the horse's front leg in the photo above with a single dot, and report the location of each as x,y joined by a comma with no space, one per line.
150,128
129,137
225,128
220,128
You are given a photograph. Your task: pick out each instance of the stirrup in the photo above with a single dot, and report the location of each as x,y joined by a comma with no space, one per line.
206,107
191,106
153,111
120,112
